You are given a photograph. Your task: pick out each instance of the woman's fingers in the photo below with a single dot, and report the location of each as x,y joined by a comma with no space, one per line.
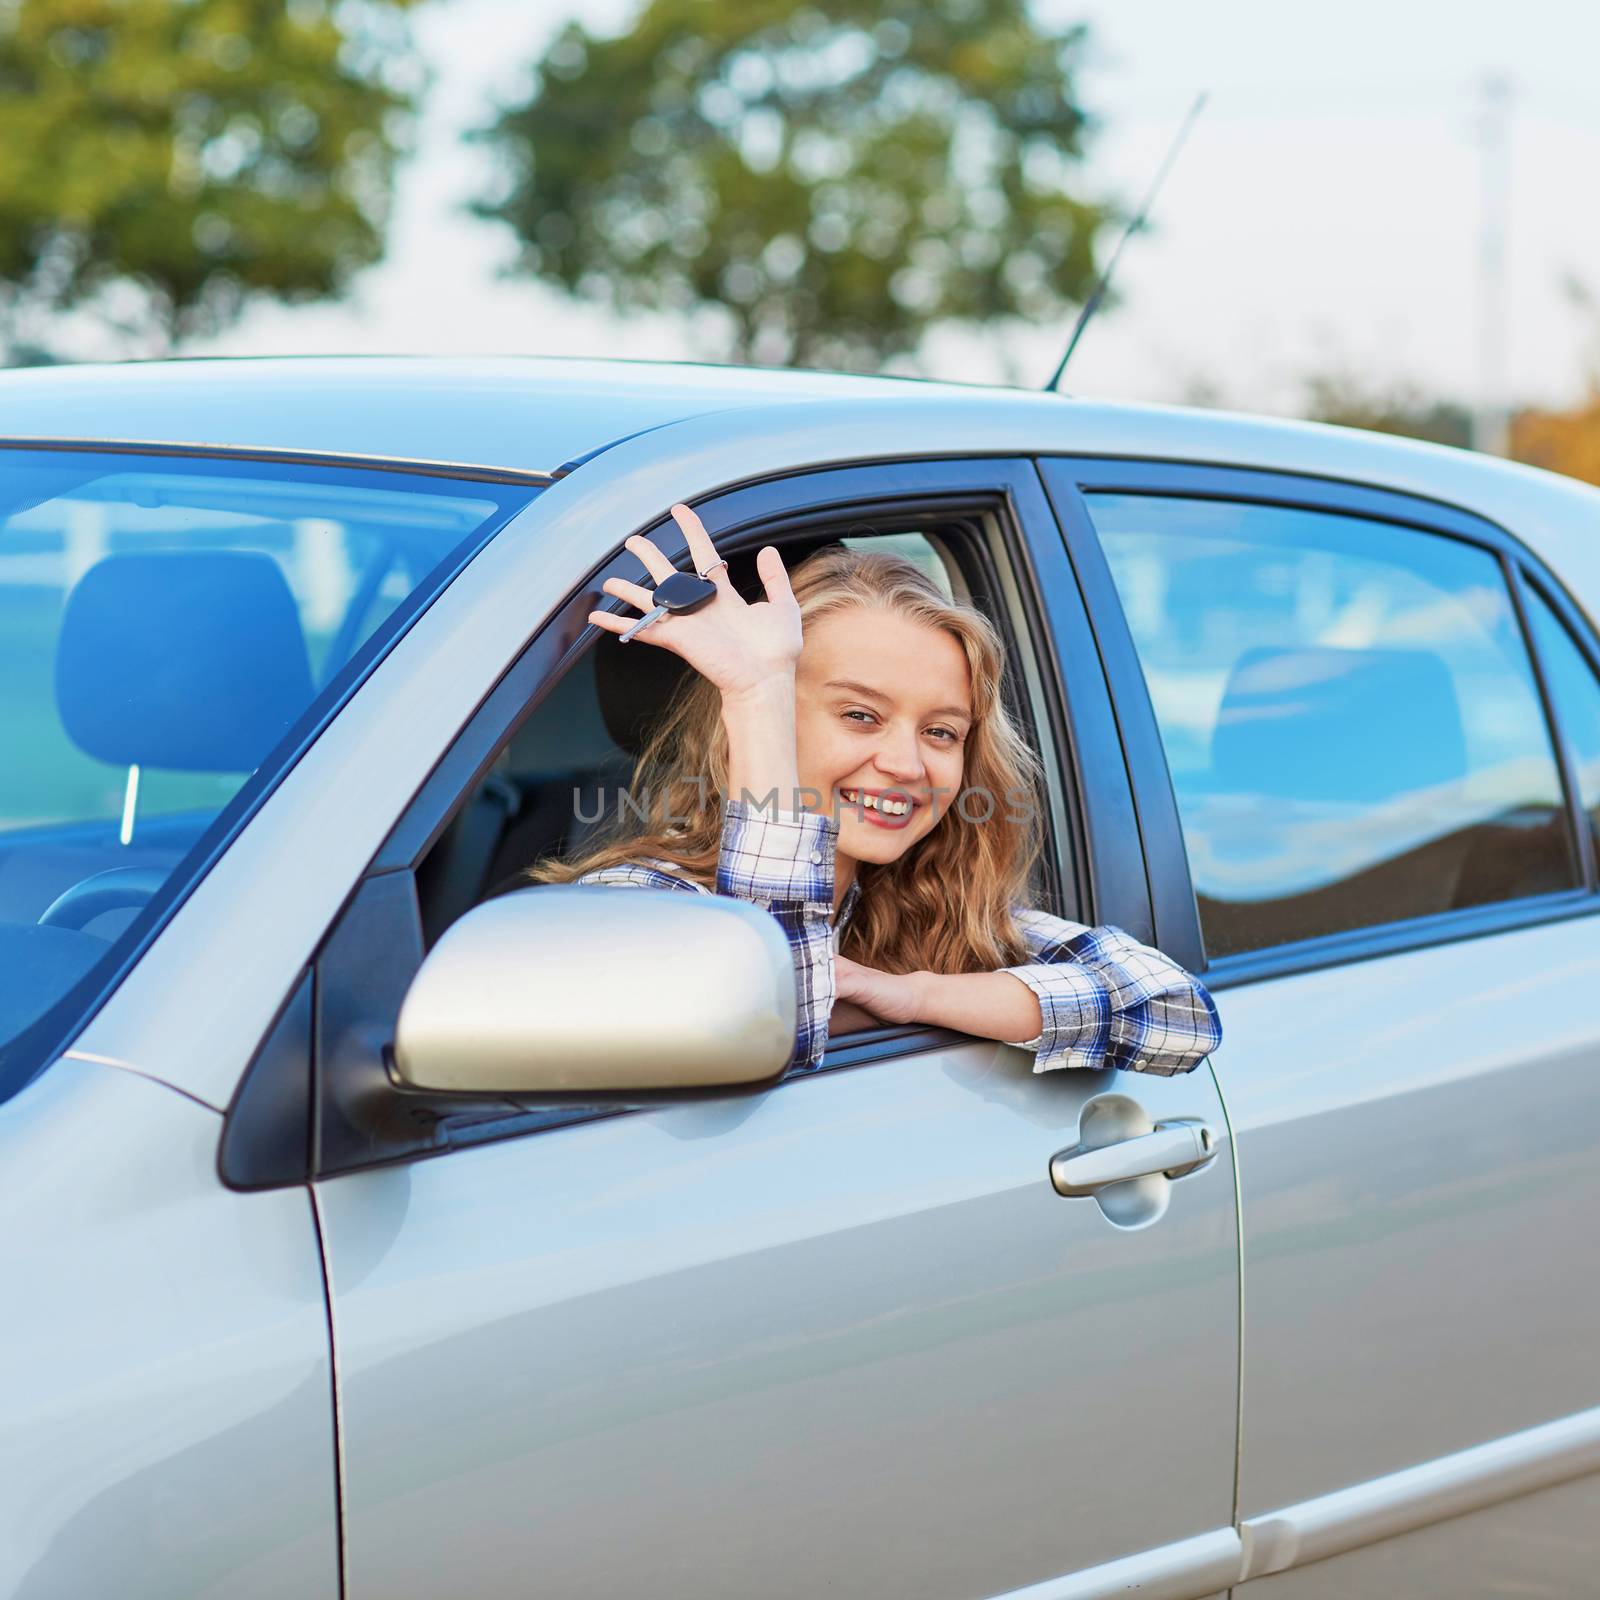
774,578
655,563
701,550
634,593
729,642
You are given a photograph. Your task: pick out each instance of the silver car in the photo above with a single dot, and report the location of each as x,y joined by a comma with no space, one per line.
377,1225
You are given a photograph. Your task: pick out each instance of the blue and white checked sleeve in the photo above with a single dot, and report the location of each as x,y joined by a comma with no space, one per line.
1109,1001
782,862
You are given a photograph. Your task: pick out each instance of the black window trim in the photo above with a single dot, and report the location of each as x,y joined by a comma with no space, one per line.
1580,834
1540,582
1104,884
1071,478
417,465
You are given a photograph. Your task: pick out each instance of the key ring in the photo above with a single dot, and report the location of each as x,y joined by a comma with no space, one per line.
715,565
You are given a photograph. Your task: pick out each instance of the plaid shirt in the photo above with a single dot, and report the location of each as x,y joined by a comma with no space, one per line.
1106,1000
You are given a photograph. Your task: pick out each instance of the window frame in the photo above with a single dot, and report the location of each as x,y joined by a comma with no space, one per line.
1086,865
1537,580
1070,480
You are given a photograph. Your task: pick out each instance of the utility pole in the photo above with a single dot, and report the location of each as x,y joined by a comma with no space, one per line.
1491,426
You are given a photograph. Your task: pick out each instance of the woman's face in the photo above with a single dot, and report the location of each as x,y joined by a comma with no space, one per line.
884,709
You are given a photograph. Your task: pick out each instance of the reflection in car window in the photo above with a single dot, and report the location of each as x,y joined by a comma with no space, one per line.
1576,692
164,623
1350,717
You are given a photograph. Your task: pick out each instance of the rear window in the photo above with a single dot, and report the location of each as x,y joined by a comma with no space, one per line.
1350,716
173,630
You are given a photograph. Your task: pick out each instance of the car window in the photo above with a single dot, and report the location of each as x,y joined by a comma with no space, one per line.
165,622
560,784
1349,713
1576,692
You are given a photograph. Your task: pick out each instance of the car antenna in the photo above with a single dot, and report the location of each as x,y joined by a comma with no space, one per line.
1092,304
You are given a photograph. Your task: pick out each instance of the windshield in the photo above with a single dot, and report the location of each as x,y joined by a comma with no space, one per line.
173,629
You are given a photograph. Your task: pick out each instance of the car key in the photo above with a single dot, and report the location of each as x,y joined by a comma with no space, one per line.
679,593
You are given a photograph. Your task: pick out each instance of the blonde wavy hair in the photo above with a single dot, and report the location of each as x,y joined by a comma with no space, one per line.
946,905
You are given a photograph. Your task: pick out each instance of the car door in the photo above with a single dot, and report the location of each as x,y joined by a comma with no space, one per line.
842,1336
1401,924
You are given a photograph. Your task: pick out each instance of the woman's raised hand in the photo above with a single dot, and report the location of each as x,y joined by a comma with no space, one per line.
743,648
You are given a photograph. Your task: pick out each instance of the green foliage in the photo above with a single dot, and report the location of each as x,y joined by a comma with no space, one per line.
163,160
837,175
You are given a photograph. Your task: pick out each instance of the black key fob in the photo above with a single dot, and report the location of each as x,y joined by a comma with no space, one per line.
683,592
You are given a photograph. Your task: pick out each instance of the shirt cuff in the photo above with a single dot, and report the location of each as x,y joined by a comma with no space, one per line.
1075,1005
783,856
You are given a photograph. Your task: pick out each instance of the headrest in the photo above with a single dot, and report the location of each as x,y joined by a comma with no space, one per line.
1339,725
188,660
635,686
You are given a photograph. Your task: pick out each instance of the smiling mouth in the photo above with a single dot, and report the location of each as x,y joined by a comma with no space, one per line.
881,807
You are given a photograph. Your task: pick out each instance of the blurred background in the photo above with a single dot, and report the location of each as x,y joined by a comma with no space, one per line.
1379,219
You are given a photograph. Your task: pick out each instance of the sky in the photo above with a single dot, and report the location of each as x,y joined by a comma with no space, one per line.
1326,215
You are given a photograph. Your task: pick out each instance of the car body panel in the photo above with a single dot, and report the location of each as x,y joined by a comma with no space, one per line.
1419,1193
839,1337
1538,1546
1377,1517
167,1379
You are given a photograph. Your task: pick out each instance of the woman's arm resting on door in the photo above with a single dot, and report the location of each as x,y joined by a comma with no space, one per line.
1090,997
992,1005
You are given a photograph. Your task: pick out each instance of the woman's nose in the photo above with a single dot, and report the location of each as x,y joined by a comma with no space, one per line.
899,756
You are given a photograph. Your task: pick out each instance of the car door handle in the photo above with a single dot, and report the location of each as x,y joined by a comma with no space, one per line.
1172,1149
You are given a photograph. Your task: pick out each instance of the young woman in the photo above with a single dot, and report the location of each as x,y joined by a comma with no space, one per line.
843,758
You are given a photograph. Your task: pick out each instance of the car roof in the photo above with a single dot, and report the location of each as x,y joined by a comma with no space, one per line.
519,413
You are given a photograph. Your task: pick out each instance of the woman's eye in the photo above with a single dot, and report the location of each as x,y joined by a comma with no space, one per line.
865,716
944,735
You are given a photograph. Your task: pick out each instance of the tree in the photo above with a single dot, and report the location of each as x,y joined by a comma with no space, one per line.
1399,408
161,161
1567,441
838,175
1561,441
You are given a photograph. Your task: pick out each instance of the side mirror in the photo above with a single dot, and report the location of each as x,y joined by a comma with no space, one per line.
572,994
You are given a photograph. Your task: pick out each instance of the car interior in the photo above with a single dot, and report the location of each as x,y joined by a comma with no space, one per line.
176,661
212,666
